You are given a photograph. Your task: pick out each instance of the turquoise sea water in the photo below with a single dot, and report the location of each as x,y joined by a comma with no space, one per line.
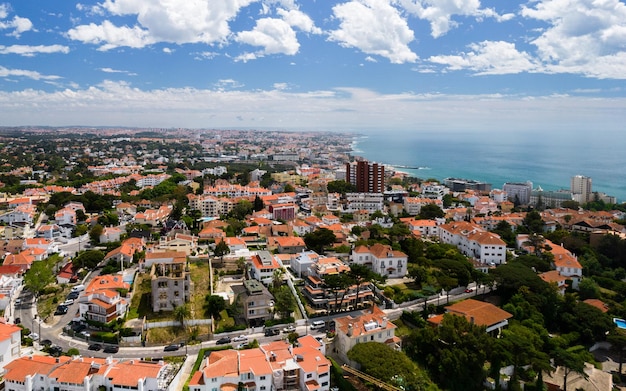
547,158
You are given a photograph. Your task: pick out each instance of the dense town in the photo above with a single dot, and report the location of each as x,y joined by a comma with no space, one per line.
205,260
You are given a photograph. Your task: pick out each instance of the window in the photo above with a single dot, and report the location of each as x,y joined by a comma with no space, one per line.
262,378
324,384
309,375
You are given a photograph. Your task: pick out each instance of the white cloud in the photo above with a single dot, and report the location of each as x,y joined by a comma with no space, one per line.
6,72
274,35
30,51
110,36
168,50
299,19
199,21
583,36
489,58
4,11
440,13
111,70
18,24
374,27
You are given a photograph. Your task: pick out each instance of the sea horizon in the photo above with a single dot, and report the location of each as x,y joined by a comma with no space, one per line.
548,159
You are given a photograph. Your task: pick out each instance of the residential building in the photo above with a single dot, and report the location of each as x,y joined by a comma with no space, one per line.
155,257
283,211
10,344
433,190
473,241
381,259
367,177
371,202
479,313
262,267
371,326
180,242
102,300
256,301
171,285
459,185
34,372
518,192
550,198
273,366
302,262
581,188
288,244
111,235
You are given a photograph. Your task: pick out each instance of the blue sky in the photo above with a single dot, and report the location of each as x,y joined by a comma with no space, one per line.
326,65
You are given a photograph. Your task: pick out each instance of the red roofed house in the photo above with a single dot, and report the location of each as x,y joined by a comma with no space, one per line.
83,373
10,344
477,312
288,244
262,267
382,259
273,366
371,326
554,277
474,241
102,300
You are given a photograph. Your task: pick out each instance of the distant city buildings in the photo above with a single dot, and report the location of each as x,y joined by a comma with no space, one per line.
518,192
367,177
581,188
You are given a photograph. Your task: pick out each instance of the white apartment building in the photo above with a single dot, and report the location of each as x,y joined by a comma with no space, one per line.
580,186
370,202
382,259
473,241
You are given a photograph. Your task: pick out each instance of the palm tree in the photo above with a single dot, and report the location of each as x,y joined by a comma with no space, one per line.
360,274
181,313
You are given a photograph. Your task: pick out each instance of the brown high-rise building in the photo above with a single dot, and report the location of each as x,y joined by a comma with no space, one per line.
367,177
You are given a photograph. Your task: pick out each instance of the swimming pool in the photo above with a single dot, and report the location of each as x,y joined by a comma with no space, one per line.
621,323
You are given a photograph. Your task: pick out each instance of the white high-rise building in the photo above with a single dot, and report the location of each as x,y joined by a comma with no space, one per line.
518,192
581,188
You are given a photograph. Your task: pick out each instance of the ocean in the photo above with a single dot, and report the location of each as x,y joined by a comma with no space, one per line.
547,158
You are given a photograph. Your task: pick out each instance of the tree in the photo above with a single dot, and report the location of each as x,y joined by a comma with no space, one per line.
524,346
95,232
617,338
571,360
337,283
340,186
431,211
181,313
214,304
284,301
536,242
319,239
390,366
258,204
221,249
277,278
38,277
360,274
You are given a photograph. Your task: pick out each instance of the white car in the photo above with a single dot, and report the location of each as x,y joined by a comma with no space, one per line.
240,338
33,336
68,302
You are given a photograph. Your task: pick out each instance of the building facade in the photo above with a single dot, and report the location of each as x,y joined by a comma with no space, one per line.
367,177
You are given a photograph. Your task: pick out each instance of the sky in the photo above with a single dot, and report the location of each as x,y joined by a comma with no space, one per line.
315,65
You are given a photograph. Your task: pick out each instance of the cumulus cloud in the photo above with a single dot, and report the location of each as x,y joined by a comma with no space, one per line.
200,21
273,35
374,27
584,36
489,58
6,73
440,13
110,36
30,51
17,25
300,20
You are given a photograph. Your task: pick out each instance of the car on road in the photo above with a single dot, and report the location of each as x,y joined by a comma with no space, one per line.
469,290
18,320
55,351
223,341
33,336
18,301
46,342
61,310
95,346
271,332
242,345
68,302
111,349
73,295
240,338
289,329
171,348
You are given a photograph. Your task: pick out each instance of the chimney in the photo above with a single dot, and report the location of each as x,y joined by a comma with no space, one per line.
471,320
350,330
383,324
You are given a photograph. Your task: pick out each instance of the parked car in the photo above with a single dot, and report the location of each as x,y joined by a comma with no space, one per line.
95,346
111,349
73,295
271,332
171,348
469,290
18,301
240,338
46,342
223,341
61,310
55,351
68,302
78,327
18,320
289,329
242,345
33,336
